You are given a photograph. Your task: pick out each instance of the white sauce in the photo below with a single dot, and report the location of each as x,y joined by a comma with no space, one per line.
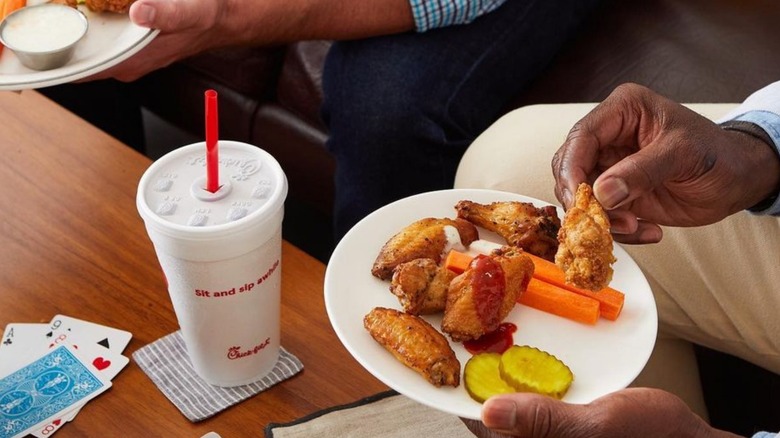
484,246
453,241
43,29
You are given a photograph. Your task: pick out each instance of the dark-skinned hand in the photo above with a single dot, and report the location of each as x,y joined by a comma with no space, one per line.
654,162
633,412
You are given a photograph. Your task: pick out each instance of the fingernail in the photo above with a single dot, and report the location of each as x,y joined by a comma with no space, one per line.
499,414
144,15
611,192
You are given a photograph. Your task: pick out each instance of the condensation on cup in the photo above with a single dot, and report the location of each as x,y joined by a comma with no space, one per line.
221,255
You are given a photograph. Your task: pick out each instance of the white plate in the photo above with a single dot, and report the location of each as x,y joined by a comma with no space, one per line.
604,357
111,38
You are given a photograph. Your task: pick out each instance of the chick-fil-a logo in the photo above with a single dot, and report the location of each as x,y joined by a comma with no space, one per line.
236,353
243,168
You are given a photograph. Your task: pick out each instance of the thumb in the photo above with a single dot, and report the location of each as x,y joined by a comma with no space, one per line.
635,175
172,15
534,416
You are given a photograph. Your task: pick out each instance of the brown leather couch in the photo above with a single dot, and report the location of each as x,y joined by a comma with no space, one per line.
688,50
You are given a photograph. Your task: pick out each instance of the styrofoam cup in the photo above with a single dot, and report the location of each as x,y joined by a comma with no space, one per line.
221,255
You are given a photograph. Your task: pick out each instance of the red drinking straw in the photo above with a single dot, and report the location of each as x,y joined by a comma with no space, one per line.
212,154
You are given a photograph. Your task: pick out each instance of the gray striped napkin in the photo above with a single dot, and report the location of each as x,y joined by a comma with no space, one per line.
165,361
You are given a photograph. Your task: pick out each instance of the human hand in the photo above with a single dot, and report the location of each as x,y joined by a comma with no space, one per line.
633,412
654,162
186,27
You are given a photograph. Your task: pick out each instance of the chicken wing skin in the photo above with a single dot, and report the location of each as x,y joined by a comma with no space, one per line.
416,344
117,6
521,224
585,250
421,286
481,297
425,238
71,3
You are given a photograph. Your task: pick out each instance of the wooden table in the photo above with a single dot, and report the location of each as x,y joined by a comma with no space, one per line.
71,242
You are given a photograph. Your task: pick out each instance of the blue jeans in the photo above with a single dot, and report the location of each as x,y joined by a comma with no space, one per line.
402,109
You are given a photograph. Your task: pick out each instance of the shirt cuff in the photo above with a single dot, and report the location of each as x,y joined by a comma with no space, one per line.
770,123
765,435
431,14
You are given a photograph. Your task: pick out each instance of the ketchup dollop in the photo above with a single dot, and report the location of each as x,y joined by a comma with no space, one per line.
488,284
497,341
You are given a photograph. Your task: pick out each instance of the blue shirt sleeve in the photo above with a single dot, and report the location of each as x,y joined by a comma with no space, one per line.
769,122
430,14
764,435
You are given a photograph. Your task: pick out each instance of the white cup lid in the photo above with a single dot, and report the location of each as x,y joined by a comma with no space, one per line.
172,194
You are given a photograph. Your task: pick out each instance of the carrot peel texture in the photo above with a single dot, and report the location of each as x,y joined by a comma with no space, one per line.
558,301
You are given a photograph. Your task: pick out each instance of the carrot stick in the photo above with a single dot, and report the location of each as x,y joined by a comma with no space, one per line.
8,6
610,300
559,301
457,261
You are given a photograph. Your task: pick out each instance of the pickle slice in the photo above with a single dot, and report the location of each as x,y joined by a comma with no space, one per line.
482,377
529,369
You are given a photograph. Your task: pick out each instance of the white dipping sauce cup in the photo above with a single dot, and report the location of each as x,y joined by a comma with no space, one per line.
44,36
221,255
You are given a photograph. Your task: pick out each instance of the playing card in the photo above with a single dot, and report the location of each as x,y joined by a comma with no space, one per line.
107,364
63,327
39,392
17,342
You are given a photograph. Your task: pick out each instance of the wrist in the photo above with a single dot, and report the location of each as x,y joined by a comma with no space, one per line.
762,176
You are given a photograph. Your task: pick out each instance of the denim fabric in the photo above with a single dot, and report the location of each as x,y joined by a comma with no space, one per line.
770,123
402,109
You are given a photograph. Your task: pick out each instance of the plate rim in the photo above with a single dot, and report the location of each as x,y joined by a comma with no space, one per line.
57,76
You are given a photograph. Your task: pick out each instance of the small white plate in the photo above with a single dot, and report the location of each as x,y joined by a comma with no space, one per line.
111,38
604,357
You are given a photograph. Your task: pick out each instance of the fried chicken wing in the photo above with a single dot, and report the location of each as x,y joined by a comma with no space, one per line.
421,286
416,344
585,250
71,3
117,6
521,223
481,297
426,238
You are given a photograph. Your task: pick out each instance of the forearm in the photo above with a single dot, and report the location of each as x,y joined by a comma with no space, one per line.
246,22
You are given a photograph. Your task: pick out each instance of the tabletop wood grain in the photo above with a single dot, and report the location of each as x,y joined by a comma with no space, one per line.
71,242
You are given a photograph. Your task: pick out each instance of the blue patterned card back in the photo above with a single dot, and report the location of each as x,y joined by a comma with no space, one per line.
45,387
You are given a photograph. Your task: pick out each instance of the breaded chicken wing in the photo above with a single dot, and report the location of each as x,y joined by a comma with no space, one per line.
416,344
522,224
425,238
71,3
481,297
421,286
585,250
117,6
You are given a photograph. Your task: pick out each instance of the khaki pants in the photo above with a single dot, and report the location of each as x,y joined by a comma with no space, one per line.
717,286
